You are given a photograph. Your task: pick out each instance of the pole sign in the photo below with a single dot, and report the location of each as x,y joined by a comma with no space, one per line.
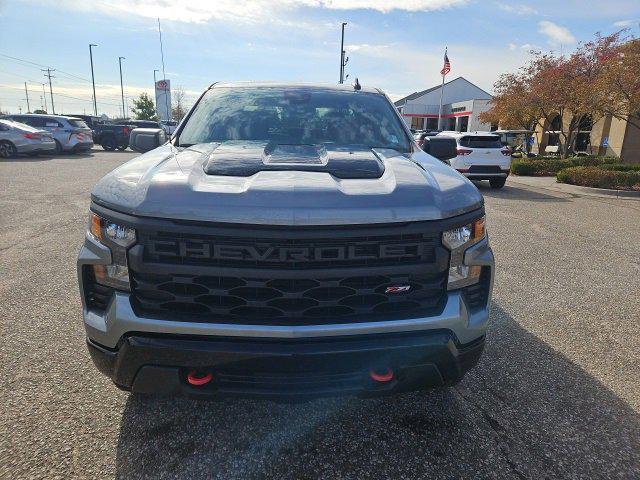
605,142
163,99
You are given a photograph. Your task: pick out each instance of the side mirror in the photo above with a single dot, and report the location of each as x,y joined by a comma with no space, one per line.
145,139
443,148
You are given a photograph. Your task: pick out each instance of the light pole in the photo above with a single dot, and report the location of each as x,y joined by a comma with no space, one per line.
124,113
342,54
44,94
93,81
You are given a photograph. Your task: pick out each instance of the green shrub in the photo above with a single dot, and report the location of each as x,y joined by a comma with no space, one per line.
549,166
599,177
621,167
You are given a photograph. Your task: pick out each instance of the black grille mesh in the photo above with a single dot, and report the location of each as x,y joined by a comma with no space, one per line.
286,301
174,272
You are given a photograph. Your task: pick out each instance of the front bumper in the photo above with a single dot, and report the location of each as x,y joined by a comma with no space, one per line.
286,369
151,355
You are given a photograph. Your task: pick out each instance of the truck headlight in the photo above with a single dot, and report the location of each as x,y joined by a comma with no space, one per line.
118,238
457,240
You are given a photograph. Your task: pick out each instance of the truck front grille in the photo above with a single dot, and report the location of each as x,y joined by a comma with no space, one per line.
287,301
288,276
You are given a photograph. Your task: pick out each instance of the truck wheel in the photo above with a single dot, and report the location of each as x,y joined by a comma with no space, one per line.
497,182
122,148
109,144
7,149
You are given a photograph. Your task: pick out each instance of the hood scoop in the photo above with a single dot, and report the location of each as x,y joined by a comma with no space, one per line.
243,159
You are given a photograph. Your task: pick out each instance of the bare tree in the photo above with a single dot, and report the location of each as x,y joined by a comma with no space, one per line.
179,109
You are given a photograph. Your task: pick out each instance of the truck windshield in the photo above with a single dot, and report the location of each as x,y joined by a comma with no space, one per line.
295,116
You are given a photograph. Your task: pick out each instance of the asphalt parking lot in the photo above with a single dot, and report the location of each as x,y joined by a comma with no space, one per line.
556,394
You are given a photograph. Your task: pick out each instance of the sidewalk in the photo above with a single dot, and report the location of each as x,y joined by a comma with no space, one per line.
549,183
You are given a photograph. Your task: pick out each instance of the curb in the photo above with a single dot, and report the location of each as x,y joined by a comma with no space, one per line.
576,189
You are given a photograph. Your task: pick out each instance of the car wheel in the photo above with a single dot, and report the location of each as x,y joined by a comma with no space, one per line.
109,144
122,148
58,148
7,150
497,182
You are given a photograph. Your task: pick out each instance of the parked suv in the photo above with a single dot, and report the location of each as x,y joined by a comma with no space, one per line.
481,156
71,134
108,135
289,240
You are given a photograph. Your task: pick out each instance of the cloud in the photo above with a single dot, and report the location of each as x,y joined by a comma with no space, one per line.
252,11
556,34
512,46
626,23
517,9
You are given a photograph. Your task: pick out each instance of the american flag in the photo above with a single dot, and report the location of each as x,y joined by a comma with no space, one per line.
447,65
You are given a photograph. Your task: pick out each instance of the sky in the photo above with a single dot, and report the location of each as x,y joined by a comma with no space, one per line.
395,45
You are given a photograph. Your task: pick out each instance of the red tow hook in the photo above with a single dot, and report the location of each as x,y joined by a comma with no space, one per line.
199,378
383,377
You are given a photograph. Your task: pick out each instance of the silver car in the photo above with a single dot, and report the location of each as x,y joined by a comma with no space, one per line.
20,138
70,134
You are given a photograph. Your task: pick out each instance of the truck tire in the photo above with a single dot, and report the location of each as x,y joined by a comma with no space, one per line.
497,182
122,148
109,144
7,149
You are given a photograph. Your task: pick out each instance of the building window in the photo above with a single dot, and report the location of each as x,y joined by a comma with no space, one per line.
452,124
417,122
583,137
463,124
432,124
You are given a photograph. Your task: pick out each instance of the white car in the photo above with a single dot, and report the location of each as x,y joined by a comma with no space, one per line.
481,156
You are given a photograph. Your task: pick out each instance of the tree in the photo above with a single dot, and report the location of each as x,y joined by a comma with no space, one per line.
144,108
512,106
618,82
179,110
40,111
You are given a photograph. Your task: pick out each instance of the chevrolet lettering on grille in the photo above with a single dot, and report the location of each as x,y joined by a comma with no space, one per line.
199,249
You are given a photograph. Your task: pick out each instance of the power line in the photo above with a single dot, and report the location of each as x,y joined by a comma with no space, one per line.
39,65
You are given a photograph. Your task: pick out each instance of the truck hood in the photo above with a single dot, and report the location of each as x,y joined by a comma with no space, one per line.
180,183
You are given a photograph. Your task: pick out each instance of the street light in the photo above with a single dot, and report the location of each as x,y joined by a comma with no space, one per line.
124,113
93,81
342,54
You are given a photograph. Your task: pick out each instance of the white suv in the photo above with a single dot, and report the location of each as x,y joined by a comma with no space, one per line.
481,156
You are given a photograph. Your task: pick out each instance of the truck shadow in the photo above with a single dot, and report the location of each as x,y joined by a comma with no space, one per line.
525,411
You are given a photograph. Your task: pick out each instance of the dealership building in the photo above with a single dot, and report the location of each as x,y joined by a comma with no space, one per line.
462,103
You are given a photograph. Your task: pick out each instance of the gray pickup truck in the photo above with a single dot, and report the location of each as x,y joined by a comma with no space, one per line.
287,241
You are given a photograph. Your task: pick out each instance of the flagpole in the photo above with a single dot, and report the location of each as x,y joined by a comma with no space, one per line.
441,94
440,110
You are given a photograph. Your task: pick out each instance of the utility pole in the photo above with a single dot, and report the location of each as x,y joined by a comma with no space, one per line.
164,76
155,96
48,74
342,62
26,92
93,81
124,113
44,95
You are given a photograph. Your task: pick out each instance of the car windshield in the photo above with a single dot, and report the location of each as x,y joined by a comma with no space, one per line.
295,116
484,141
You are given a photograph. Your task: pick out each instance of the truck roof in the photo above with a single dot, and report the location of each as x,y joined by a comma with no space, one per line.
321,86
